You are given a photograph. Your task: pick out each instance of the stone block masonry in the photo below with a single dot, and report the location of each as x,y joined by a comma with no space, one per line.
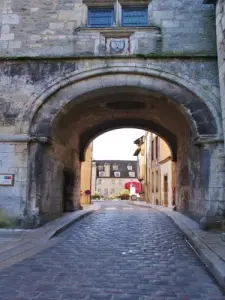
51,61
52,28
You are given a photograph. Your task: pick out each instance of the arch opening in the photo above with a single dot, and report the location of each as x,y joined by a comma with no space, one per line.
76,115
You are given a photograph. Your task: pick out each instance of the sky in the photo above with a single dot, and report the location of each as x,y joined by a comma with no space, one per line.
116,144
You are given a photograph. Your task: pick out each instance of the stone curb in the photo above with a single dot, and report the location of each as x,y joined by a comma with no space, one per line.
71,222
210,258
52,228
30,242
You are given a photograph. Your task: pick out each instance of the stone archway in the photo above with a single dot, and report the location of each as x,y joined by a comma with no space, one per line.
70,116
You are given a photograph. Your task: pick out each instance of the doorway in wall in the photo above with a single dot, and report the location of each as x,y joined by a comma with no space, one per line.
68,189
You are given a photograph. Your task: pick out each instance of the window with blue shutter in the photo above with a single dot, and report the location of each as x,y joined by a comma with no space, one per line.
100,17
134,16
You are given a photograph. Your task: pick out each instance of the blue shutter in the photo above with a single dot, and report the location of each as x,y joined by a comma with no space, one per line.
135,16
100,17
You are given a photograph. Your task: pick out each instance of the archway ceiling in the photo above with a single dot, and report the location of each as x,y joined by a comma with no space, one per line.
89,116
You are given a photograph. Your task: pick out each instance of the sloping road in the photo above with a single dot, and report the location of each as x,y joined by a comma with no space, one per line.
120,252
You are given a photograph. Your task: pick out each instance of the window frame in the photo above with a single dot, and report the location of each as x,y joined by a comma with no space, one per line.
117,172
134,7
103,8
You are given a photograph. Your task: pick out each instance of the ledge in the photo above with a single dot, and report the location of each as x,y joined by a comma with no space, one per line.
92,57
120,31
202,140
24,138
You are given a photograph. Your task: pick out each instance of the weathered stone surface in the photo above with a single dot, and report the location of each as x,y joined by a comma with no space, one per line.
47,106
52,28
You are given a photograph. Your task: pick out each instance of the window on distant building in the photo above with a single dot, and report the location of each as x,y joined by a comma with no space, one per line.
156,147
101,174
134,16
115,167
113,191
132,174
153,182
99,190
152,150
105,192
117,174
156,181
100,168
129,167
99,181
120,181
100,17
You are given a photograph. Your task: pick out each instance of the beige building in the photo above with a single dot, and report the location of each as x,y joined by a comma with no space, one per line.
86,171
142,163
157,170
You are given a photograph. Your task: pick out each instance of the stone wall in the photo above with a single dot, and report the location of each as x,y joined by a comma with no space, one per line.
13,160
220,20
59,28
22,85
173,59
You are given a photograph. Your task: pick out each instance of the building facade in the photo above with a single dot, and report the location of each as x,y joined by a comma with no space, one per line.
71,70
161,172
112,175
157,170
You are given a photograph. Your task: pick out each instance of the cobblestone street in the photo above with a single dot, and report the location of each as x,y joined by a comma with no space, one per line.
120,252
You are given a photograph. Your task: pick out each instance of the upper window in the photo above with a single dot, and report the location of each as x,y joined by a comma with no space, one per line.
134,16
101,168
115,167
129,167
100,17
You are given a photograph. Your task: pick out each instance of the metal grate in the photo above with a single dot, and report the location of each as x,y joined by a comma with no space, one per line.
100,17
134,16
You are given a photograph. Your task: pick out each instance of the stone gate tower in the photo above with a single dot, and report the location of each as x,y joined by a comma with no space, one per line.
71,70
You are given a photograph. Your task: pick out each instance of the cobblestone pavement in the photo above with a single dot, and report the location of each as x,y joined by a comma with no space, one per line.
120,252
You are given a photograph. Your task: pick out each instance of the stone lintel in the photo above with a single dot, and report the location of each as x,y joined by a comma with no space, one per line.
99,3
208,139
134,2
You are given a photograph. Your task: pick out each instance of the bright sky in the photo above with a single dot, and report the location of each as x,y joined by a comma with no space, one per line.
116,144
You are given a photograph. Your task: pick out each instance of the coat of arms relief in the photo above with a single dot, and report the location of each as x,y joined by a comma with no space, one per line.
117,46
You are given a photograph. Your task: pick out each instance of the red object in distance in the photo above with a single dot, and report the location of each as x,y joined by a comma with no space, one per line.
7,177
87,192
137,186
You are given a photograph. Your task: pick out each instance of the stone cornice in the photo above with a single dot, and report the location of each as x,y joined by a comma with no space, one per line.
121,31
24,138
207,139
112,2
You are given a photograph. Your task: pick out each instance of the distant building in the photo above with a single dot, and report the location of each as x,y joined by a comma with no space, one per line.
156,170
110,176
